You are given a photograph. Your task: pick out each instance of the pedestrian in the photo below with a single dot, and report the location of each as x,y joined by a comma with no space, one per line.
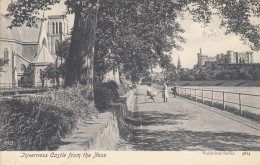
174,90
165,92
149,91
151,94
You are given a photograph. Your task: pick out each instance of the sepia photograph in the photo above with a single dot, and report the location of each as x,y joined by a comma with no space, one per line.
91,78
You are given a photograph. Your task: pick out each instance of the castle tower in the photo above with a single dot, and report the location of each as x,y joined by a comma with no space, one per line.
199,58
57,31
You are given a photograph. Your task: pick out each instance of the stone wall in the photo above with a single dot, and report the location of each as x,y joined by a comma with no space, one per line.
102,132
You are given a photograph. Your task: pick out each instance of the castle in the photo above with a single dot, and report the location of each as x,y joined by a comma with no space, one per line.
229,58
29,50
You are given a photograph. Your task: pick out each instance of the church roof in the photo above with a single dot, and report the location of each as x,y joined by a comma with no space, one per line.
44,56
7,33
21,34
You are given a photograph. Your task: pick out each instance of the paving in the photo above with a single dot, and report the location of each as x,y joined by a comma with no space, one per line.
185,125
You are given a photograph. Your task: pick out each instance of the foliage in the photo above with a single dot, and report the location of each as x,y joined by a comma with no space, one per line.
123,89
137,35
187,77
63,49
54,71
2,63
236,17
39,123
104,94
225,72
50,72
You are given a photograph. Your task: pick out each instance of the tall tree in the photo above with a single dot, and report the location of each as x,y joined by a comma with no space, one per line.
136,33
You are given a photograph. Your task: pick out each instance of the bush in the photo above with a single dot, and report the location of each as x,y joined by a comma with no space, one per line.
123,89
104,94
39,123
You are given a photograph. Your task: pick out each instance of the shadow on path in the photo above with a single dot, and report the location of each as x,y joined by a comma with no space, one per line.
146,118
152,140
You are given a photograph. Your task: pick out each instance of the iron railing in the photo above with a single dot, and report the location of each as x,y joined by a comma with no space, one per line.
10,89
210,96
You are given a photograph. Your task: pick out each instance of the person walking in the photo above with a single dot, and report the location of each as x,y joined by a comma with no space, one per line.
174,90
165,92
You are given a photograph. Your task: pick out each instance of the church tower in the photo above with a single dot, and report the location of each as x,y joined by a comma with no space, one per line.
57,31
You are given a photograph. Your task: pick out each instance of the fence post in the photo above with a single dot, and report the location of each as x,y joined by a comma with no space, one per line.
240,108
223,100
185,93
202,97
196,94
212,99
190,93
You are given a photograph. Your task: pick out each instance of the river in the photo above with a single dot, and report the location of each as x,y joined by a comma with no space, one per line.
247,96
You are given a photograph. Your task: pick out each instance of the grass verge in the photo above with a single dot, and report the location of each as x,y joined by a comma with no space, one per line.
39,123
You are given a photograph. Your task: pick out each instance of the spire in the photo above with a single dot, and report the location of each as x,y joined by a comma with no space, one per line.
200,51
179,63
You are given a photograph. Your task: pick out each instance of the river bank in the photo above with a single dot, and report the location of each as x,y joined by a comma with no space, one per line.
227,83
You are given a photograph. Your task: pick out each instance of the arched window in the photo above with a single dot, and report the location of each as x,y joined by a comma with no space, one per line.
44,42
60,28
6,56
56,45
57,28
23,67
53,28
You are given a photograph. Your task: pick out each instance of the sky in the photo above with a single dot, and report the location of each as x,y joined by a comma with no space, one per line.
197,36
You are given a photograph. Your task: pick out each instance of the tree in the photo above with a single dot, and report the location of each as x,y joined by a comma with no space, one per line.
63,49
135,35
80,70
52,73
2,63
138,33
236,17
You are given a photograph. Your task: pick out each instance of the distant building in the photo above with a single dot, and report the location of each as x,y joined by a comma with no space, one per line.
202,59
179,64
229,58
29,50
235,57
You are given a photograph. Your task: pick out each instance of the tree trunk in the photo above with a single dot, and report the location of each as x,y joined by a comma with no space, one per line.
81,55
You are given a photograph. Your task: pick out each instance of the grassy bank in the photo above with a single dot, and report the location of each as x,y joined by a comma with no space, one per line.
39,123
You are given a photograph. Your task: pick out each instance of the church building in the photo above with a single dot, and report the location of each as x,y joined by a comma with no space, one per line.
29,50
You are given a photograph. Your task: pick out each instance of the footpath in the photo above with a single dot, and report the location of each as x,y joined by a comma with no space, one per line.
181,124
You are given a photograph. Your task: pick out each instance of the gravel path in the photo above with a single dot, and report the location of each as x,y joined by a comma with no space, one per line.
181,124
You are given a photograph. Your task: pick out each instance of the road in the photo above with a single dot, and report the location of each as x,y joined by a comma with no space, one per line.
184,125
